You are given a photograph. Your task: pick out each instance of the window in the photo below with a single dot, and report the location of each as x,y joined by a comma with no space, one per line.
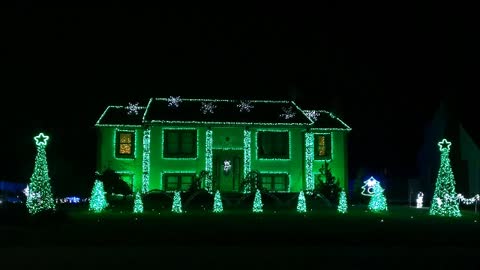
275,182
323,146
125,144
180,144
273,145
175,181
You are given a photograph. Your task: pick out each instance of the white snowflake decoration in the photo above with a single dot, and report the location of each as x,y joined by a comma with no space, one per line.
133,108
207,107
312,114
227,165
287,113
245,106
174,101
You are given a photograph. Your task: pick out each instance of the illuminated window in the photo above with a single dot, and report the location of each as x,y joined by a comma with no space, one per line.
176,181
125,145
323,146
273,145
180,144
275,182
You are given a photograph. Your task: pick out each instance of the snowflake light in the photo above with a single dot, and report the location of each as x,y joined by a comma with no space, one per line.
207,107
133,108
313,115
174,101
245,106
288,113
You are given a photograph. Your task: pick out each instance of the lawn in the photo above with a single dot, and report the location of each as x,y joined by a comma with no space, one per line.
273,238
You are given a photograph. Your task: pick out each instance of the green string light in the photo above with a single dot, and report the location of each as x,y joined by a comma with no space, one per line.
138,204
217,203
98,202
309,157
301,204
342,203
146,161
378,202
177,203
208,158
257,202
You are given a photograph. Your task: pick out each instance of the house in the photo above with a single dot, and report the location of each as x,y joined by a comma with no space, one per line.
464,153
170,141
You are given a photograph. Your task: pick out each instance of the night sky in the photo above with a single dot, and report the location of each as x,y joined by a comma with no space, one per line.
383,72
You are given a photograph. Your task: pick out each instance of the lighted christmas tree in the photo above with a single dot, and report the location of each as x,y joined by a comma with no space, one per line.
257,202
301,204
98,201
445,201
217,203
378,202
177,203
342,203
138,204
40,197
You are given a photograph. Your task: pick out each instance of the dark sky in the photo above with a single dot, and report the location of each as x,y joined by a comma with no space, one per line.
383,68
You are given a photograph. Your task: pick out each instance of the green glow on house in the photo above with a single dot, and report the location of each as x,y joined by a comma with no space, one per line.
445,202
181,158
98,201
208,158
138,204
274,130
146,161
309,157
301,203
257,203
217,203
177,203
342,203
40,197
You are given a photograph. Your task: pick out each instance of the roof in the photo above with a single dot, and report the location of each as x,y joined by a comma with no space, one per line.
174,110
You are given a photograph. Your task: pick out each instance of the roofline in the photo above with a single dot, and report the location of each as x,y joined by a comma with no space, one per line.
228,100
228,123
97,124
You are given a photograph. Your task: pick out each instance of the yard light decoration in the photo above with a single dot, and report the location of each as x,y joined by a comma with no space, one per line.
177,203
138,204
378,202
342,203
419,199
217,203
257,203
98,202
40,197
301,204
369,184
468,201
444,202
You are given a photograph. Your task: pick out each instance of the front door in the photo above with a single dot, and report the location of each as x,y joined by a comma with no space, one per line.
227,169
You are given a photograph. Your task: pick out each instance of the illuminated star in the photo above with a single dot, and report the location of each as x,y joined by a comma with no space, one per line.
444,145
41,139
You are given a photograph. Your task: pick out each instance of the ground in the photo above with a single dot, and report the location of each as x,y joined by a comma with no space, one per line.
406,237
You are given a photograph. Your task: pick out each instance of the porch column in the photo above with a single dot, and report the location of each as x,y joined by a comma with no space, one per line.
146,160
209,158
309,156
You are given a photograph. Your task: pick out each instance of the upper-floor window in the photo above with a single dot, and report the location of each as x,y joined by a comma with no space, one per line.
273,144
323,146
180,144
178,181
125,144
275,182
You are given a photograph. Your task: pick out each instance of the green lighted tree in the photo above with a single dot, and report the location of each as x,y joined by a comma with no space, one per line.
301,204
177,203
257,202
98,201
40,197
444,201
217,203
378,202
342,203
138,204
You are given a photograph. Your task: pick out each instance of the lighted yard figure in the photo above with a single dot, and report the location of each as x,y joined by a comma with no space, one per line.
217,203
342,203
227,165
420,199
444,201
378,202
40,197
367,189
177,203
98,201
138,204
301,204
257,202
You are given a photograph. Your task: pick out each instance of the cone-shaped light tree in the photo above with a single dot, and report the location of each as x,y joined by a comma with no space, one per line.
342,203
257,202
445,201
177,203
217,203
138,203
98,201
378,202
40,197
301,204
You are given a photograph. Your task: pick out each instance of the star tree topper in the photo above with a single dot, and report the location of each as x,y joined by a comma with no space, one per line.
41,139
444,145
